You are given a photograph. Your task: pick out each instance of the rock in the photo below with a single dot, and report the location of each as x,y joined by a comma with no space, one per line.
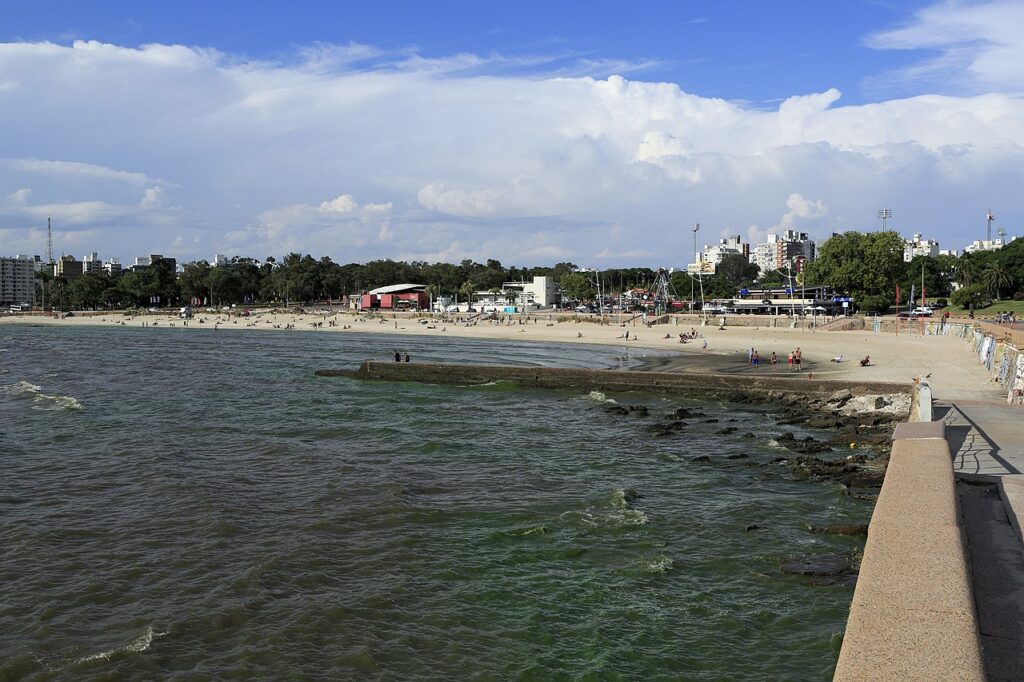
683,413
751,527
739,456
703,459
638,410
861,529
667,428
711,421
726,430
748,434
823,421
616,409
782,438
841,397
819,565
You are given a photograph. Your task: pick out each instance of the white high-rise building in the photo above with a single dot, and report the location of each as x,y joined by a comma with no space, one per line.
919,246
91,263
732,246
781,250
221,261
112,266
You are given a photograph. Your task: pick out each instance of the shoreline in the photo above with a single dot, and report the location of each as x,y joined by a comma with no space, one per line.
893,358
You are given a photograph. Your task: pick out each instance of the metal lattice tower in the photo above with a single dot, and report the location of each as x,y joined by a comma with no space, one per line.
49,242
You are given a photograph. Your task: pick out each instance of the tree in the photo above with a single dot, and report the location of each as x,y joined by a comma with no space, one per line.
577,287
736,272
859,264
968,296
966,270
996,277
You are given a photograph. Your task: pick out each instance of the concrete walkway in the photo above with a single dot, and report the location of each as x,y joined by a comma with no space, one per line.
986,439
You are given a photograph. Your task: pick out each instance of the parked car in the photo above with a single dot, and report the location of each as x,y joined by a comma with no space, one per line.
923,311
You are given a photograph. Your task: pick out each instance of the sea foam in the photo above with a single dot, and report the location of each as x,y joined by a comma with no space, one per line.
140,643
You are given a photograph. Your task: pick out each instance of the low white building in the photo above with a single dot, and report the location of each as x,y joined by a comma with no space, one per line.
987,245
541,292
919,246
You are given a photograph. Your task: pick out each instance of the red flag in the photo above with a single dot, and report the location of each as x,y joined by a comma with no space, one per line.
898,299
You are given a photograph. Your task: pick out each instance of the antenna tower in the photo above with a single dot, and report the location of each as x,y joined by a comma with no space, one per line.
1002,234
49,242
988,221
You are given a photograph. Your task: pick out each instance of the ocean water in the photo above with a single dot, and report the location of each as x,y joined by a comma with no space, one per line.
198,505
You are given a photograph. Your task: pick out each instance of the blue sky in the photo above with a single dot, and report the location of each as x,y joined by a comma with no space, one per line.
532,132
758,52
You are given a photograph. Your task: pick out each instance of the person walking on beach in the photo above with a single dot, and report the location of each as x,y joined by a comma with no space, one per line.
798,357
790,361
755,360
398,356
750,356
705,346
774,360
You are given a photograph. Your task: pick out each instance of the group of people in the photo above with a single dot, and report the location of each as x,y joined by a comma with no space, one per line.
1009,318
400,358
794,359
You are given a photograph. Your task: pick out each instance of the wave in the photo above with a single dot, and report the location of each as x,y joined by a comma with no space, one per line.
139,644
658,564
621,513
25,389
600,397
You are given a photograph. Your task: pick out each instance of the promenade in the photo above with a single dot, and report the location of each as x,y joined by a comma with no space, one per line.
986,439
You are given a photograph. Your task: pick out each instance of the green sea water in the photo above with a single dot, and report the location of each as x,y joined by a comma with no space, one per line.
198,505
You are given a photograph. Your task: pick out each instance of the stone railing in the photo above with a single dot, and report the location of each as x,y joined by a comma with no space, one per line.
913,615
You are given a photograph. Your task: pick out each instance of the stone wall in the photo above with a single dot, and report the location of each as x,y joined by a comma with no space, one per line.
679,383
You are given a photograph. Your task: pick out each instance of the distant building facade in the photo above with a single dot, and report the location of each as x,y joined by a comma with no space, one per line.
779,251
68,267
91,263
987,245
17,281
731,246
919,246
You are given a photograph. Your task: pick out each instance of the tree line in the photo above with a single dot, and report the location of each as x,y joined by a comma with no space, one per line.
866,266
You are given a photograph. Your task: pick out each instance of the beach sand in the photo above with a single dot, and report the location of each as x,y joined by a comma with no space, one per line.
955,372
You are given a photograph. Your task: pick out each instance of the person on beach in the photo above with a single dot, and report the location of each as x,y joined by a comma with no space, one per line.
798,357
705,346
750,356
774,359
755,360
406,357
790,361
398,356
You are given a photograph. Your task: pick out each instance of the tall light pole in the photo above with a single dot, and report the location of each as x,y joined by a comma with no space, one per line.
696,260
988,225
884,214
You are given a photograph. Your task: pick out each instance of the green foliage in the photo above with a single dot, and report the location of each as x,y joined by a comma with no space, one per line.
576,286
875,303
965,296
996,278
859,264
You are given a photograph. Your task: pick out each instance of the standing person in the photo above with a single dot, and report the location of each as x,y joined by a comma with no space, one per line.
798,357
705,346
790,361
750,356
774,360
755,360
398,356
406,358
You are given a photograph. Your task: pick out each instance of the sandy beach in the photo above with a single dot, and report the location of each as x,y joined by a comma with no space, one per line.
954,371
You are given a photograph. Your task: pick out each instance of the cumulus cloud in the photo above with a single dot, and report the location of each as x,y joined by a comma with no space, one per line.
464,160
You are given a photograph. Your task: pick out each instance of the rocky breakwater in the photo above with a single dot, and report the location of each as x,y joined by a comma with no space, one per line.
837,438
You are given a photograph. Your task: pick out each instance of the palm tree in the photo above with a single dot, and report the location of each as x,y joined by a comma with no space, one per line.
966,270
996,278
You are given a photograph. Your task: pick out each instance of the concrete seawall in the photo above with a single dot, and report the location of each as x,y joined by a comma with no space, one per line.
913,615
677,383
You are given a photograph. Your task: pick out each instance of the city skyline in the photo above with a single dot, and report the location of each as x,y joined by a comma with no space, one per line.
479,140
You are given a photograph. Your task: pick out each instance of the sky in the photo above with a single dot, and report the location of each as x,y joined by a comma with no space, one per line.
531,132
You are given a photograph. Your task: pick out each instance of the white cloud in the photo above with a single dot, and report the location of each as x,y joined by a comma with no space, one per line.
979,46
465,159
